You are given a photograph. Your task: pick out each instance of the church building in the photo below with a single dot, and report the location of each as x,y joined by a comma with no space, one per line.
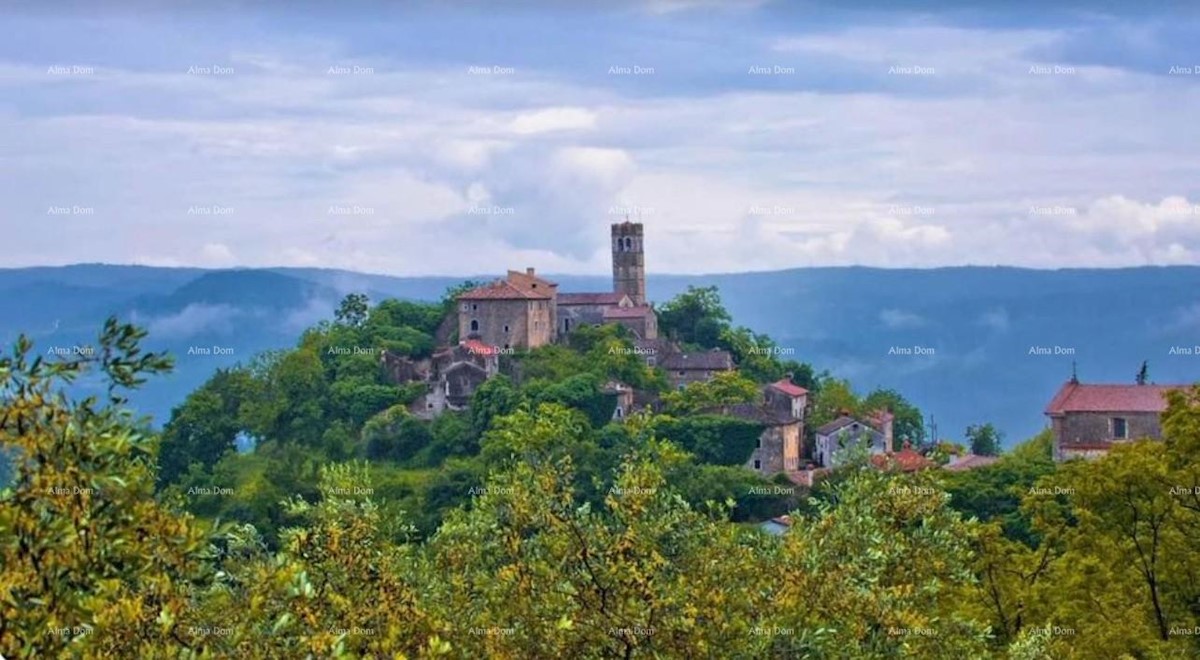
523,310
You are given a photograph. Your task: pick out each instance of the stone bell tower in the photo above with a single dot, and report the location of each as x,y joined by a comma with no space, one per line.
629,261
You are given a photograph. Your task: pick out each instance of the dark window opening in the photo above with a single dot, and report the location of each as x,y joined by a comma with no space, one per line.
1120,427
474,326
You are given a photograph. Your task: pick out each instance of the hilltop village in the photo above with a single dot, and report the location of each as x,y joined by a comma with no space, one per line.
523,311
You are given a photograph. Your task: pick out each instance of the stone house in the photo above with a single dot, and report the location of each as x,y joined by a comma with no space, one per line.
579,309
519,311
525,311
641,320
781,413
834,437
684,368
625,399
779,444
1087,419
786,397
454,375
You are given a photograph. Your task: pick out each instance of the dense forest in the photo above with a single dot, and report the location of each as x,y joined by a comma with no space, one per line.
294,507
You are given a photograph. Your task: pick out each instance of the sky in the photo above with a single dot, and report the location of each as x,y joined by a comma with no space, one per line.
459,138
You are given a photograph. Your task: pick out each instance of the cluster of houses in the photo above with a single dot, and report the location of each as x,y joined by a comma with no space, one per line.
523,311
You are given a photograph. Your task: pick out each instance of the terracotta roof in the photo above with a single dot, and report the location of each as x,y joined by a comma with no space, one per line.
1078,397
627,312
705,360
789,388
605,298
476,347
516,286
906,460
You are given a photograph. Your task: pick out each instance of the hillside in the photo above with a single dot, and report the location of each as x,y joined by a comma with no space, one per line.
979,322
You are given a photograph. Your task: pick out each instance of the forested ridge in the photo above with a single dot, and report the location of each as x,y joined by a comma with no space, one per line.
293,507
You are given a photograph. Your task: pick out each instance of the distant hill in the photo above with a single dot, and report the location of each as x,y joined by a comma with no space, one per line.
979,323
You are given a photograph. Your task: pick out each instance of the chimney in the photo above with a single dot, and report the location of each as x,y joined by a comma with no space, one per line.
529,271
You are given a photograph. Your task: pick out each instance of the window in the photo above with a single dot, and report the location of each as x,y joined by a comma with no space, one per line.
1120,427
474,325
567,325
506,328
464,307
628,244
474,307
757,464
650,361
758,443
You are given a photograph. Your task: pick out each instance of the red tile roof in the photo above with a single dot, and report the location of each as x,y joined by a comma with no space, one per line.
516,286
1077,397
605,298
789,388
906,460
476,347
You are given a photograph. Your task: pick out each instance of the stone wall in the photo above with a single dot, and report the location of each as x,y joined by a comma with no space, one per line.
778,450
530,323
629,261
578,315
1097,427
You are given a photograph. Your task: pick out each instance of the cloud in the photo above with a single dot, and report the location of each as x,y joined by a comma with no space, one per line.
217,254
192,320
699,149
552,119
897,319
995,319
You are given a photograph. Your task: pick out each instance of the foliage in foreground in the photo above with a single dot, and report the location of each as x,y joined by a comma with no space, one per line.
546,560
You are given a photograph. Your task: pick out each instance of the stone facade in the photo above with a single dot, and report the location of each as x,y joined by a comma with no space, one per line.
778,448
579,309
781,412
685,368
1086,419
453,375
641,320
525,311
629,261
519,311
835,437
